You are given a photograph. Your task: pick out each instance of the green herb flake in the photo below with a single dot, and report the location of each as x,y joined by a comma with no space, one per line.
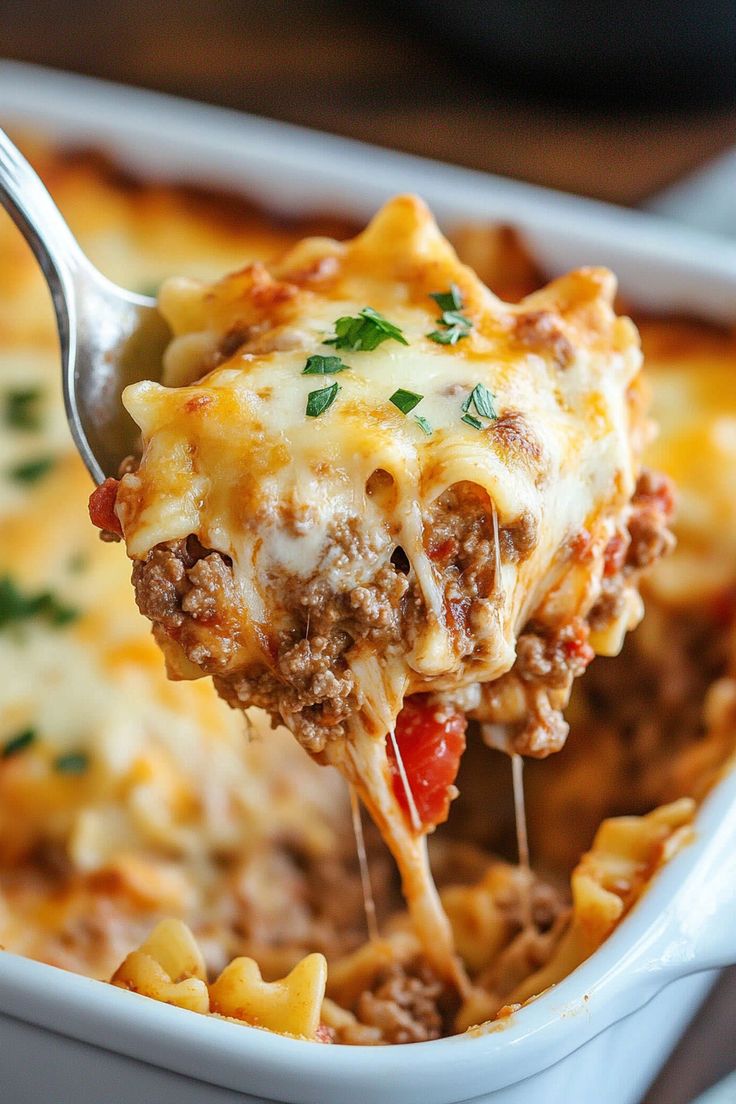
456,325
57,613
448,337
366,332
323,366
451,300
18,743
405,400
483,400
423,424
319,401
454,318
15,606
31,471
21,408
77,564
471,421
73,762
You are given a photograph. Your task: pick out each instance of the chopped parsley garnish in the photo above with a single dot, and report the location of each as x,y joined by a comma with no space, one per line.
319,401
323,366
16,606
451,300
73,762
18,743
471,421
456,326
366,332
405,400
483,400
21,408
32,470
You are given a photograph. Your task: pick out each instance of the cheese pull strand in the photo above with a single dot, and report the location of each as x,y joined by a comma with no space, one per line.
522,841
365,763
369,903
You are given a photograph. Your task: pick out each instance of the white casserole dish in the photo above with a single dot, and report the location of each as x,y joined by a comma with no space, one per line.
603,1032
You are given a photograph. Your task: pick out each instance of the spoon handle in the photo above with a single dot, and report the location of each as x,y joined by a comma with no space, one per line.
38,218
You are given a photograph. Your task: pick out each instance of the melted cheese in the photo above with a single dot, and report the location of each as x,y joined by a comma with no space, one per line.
693,373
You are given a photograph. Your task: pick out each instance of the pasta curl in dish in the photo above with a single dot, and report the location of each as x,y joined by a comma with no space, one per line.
382,993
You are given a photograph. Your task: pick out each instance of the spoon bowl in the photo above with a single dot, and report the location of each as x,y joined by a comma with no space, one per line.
109,336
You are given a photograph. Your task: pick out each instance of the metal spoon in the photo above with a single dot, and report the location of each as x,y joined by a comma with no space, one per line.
109,337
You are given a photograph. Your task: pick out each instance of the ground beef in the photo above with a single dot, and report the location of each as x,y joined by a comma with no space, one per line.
313,683
544,729
555,657
160,583
610,604
646,540
211,580
460,542
403,1005
653,506
188,592
318,695
459,526
541,332
377,606
519,540
524,707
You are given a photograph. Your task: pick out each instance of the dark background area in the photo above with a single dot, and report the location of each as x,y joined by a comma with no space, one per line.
612,100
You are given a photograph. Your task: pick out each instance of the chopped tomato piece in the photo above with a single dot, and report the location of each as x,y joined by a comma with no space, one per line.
431,740
576,646
102,507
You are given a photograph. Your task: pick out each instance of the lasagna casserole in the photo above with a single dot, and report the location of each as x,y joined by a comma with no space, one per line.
466,538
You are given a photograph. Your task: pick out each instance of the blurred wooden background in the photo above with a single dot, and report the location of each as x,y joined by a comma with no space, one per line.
364,70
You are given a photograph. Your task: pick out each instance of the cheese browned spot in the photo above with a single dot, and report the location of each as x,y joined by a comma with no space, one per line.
325,567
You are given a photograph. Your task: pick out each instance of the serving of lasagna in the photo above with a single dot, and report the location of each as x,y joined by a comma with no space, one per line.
370,563
394,514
